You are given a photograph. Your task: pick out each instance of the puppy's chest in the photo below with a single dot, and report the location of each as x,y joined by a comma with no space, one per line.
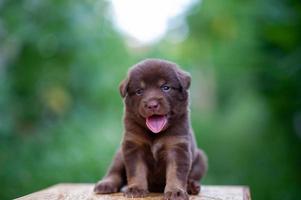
155,158
153,152
156,150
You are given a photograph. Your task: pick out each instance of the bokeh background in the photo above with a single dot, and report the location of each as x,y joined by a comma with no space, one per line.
60,111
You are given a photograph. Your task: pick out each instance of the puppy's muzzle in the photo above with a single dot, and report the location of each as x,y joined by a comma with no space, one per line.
152,106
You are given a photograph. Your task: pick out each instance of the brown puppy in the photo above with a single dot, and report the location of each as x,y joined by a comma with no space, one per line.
158,152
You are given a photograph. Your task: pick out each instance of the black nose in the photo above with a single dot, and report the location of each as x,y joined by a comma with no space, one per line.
152,105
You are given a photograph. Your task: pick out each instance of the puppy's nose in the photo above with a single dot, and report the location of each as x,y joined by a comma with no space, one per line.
152,105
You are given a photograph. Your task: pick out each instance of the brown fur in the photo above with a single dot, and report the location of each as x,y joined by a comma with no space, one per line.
168,161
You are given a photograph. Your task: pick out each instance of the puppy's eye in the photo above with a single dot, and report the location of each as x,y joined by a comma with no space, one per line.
139,92
165,88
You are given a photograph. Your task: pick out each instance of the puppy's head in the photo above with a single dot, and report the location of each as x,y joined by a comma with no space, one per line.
155,93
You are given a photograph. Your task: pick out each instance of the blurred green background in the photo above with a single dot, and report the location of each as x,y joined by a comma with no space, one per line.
60,111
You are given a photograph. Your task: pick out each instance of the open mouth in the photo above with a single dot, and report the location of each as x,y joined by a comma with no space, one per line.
156,123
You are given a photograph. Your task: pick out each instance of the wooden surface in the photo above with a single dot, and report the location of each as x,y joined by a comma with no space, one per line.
85,191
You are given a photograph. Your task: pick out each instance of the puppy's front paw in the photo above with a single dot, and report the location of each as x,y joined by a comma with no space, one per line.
193,187
105,187
135,192
176,195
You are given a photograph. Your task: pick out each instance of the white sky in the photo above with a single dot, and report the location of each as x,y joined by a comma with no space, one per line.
146,20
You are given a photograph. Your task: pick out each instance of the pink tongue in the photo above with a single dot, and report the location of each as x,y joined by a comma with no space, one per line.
156,123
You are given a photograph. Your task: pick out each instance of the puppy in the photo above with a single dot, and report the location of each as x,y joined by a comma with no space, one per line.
158,151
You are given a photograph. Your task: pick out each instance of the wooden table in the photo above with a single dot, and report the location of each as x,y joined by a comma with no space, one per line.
85,191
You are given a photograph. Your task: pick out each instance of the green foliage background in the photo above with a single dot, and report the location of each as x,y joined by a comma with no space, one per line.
60,112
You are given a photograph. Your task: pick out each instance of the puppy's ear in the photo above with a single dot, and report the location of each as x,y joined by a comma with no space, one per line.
123,87
184,79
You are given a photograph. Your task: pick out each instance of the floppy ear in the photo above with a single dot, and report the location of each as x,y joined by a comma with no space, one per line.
184,79
123,87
